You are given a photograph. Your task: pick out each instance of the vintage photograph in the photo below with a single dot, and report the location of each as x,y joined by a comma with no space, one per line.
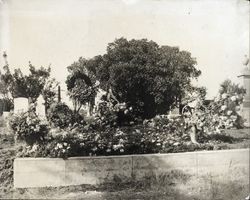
124,99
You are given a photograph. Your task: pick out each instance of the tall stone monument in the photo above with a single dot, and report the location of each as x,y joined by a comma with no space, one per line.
245,76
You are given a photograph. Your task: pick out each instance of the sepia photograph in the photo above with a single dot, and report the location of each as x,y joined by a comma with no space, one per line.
125,99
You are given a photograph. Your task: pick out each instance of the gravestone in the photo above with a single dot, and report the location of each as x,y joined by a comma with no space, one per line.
40,108
175,112
6,114
21,104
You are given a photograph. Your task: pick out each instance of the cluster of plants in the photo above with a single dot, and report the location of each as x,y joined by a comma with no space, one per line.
158,135
60,115
227,105
28,127
142,81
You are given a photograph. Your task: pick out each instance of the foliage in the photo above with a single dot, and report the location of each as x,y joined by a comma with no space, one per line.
230,88
28,127
7,104
158,135
144,75
81,84
109,115
60,115
5,81
48,92
29,86
226,111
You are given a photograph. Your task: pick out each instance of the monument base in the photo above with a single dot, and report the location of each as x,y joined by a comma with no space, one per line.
246,116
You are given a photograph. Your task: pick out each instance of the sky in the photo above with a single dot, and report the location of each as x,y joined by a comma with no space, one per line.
58,32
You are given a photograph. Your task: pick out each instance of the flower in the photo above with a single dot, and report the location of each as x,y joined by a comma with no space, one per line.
237,108
223,107
229,112
94,149
233,98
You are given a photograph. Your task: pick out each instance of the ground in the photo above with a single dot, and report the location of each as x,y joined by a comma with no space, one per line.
148,189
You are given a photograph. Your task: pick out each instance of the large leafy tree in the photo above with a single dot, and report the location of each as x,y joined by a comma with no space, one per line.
146,76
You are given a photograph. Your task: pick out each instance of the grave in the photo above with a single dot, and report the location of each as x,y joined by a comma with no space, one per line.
245,111
40,108
21,104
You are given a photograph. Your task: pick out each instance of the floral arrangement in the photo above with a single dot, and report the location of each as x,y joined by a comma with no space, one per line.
28,127
60,115
226,111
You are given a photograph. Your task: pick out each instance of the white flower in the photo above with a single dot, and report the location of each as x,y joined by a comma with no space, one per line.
237,108
233,98
65,144
201,124
82,144
60,146
121,140
35,147
115,147
94,149
223,107
229,112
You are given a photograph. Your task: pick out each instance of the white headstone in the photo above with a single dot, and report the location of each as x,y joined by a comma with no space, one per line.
6,114
40,108
21,104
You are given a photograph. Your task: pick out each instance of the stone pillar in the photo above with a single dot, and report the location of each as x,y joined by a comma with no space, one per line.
245,112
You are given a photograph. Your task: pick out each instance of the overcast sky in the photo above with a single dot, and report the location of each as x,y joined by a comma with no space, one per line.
58,32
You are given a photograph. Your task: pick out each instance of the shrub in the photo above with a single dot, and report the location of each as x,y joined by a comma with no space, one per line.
226,111
114,115
28,127
60,115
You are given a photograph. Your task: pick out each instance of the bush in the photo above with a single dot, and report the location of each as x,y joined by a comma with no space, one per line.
225,109
28,127
60,115
114,115
158,135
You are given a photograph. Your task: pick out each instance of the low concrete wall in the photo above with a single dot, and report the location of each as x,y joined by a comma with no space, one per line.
220,166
